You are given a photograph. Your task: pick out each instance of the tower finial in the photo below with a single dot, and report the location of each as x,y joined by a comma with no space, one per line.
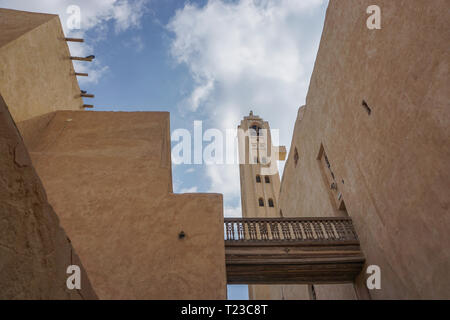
251,113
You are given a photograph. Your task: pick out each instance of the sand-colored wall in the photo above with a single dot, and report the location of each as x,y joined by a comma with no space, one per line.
108,177
36,73
14,23
392,166
35,251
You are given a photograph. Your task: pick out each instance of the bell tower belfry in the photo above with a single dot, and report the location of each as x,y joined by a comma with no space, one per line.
260,180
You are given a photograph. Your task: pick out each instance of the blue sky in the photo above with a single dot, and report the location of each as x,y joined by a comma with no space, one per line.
204,60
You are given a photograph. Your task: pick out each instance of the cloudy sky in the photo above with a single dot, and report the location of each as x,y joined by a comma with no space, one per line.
202,60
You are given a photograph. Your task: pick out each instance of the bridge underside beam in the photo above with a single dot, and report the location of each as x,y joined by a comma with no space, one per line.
293,264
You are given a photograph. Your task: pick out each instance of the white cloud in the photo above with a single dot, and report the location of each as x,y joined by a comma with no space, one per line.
190,170
247,55
127,14
224,179
232,212
124,14
189,190
199,94
135,42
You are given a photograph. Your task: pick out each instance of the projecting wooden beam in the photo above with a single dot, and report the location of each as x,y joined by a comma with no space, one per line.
89,58
88,106
74,39
81,74
293,264
86,95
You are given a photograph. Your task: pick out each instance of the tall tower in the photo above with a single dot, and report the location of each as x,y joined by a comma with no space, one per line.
260,180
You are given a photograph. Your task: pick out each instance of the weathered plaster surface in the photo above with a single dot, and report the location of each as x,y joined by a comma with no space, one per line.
108,176
36,73
34,250
392,166
14,23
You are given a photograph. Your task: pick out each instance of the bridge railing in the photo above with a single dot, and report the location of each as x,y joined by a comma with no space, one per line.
273,231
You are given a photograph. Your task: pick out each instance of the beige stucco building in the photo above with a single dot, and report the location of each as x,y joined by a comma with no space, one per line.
259,184
108,178
94,189
372,143
36,73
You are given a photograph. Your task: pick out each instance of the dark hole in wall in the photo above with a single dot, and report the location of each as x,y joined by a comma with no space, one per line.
366,106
